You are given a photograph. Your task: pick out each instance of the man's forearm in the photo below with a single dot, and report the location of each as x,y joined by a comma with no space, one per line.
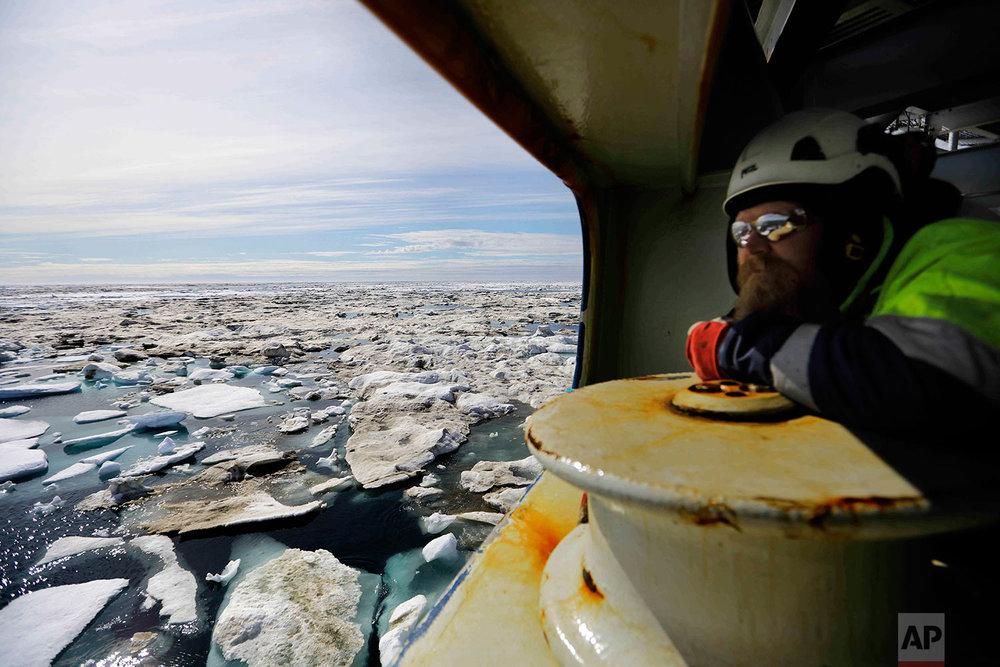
849,372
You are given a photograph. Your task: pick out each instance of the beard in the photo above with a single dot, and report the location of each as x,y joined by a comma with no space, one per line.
769,284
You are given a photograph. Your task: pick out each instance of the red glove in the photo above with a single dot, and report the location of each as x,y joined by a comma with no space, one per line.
702,348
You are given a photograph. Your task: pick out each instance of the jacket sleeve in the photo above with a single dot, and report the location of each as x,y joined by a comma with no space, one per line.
926,357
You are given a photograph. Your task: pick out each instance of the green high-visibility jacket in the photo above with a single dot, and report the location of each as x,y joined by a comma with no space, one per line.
928,354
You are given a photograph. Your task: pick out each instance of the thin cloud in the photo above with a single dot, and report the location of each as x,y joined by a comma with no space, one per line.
483,243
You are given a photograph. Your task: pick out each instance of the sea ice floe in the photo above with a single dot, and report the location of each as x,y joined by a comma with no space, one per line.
401,622
394,438
274,349
86,465
482,406
415,492
14,411
436,522
335,484
329,461
157,463
368,382
37,626
204,515
427,393
123,489
211,400
252,460
49,507
132,378
294,424
27,443
220,456
97,415
21,429
492,518
444,548
505,499
98,440
174,586
227,573
487,474
324,436
298,609
128,355
18,462
99,371
34,390
72,545
154,420
207,374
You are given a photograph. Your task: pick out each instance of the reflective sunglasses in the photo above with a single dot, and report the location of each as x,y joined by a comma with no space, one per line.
772,226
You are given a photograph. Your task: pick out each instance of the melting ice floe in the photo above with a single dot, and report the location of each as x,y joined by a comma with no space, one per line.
437,522
98,440
227,573
90,416
18,459
401,623
33,390
72,545
444,548
487,474
262,622
203,515
173,586
157,463
154,420
86,465
211,400
20,429
37,626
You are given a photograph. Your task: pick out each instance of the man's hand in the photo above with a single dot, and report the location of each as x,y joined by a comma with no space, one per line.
703,348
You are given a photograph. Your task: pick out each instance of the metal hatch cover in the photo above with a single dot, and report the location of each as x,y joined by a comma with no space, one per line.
734,401
804,475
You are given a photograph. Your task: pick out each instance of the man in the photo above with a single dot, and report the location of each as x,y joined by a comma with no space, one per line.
848,302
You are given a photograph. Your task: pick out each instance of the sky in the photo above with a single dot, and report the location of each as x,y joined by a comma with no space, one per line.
201,141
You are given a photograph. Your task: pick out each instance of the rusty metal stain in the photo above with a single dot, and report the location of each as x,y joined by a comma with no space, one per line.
533,533
537,444
590,592
715,513
818,514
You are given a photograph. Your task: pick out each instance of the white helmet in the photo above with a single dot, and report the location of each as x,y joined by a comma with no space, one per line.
809,147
